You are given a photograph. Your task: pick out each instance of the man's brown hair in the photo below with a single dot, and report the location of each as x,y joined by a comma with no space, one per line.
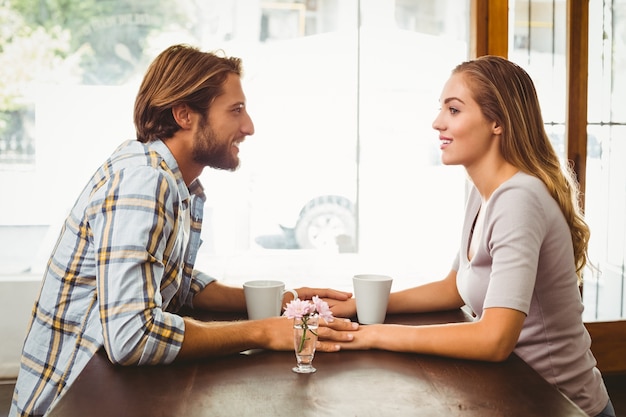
181,74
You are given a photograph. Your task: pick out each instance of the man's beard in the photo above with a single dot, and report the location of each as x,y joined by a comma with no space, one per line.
210,151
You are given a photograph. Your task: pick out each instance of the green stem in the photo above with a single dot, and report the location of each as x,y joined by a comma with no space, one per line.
304,329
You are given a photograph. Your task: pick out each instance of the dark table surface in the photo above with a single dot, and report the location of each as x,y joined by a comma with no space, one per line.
347,383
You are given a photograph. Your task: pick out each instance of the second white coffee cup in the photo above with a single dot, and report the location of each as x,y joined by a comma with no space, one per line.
264,298
371,292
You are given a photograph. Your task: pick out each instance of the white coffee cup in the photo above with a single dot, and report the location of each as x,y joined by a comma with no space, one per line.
264,298
371,292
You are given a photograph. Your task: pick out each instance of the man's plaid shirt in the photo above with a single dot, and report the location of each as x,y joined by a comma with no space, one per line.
122,266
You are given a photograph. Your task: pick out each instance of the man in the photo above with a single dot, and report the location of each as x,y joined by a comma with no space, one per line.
123,264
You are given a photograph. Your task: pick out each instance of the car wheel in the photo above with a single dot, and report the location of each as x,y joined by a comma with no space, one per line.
327,221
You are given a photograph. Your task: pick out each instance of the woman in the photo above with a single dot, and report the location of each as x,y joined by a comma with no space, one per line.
523,245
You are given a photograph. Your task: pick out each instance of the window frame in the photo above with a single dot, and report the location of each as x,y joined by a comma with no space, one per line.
489,35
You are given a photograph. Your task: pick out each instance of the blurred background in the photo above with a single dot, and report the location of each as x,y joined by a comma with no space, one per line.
343,174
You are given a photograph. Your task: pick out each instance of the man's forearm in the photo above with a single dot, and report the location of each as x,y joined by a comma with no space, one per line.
204,339
219,297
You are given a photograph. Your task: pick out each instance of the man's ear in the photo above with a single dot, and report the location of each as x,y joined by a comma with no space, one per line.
182,116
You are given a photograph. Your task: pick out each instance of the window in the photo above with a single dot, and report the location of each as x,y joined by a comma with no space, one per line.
342,175
606,175
537,42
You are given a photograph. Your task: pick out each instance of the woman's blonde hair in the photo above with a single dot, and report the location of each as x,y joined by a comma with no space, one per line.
507,96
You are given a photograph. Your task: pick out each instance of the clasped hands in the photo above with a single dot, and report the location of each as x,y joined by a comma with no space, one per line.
341,329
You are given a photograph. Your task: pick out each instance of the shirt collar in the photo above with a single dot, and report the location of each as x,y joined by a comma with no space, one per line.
194,188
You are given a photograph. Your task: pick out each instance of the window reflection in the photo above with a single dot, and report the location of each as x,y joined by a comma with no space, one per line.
606,176
538,44
343,172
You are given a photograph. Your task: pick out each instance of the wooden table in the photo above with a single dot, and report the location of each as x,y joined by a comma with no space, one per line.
347,383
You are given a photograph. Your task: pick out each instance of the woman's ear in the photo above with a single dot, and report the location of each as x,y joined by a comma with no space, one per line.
182,116
497,129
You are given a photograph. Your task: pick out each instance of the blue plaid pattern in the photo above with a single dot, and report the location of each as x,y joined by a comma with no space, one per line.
118,273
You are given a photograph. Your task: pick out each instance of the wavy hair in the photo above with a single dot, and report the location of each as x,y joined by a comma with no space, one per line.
506,95
181,74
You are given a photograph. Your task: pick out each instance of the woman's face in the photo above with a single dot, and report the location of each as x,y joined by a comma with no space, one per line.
466,137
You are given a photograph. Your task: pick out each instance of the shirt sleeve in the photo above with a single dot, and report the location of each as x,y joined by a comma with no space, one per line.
133,221
199,281
516,226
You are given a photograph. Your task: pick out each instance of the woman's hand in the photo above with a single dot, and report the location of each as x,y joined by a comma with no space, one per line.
279,332
330,334
346,308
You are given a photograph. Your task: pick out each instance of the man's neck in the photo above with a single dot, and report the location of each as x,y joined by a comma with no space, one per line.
189,169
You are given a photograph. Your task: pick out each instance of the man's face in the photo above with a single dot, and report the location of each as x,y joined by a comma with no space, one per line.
217,138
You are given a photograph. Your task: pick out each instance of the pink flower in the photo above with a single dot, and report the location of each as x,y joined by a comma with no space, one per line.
322,308
298,309
304,310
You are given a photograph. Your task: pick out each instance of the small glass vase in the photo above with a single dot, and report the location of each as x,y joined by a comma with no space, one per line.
304,341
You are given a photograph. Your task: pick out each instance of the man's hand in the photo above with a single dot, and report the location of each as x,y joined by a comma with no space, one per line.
306,293
341,303
330,334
